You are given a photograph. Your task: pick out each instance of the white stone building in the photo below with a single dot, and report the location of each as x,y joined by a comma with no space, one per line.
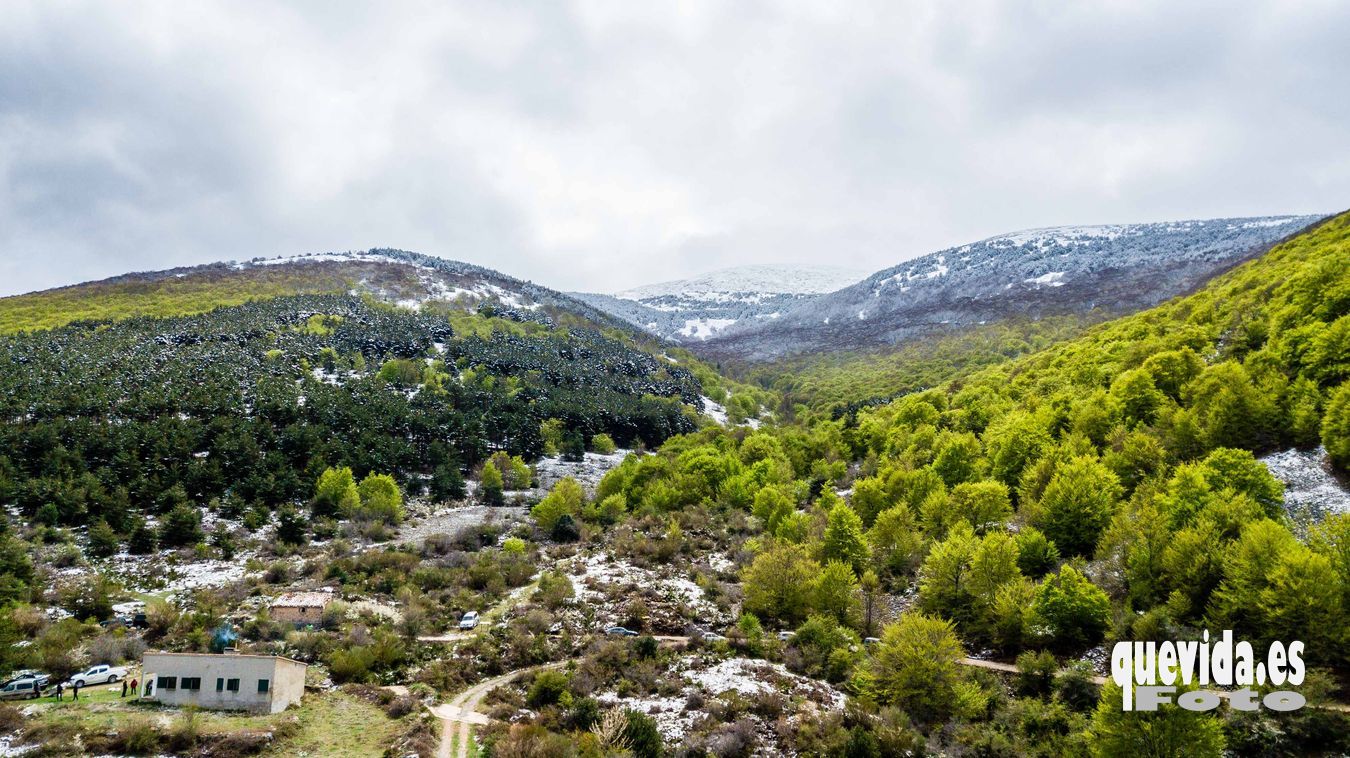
228,681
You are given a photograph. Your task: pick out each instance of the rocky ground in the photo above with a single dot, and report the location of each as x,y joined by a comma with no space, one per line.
452,518
1311,491
672,601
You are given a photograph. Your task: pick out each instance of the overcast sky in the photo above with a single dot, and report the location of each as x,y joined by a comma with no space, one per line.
600,145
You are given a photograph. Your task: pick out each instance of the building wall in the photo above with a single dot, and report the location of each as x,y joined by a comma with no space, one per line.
300,615
286,680
289,684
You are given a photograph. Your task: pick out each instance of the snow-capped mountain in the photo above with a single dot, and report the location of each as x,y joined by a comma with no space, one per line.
1074,269
407,279
690,310
744,282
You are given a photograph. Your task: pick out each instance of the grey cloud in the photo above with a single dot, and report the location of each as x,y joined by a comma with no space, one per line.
597,145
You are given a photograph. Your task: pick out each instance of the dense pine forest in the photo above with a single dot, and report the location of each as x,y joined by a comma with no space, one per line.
250,403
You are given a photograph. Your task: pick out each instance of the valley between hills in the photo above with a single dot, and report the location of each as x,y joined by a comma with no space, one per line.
760,512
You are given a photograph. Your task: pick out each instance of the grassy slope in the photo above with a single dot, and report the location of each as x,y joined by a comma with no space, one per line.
338,724
839,378
197,292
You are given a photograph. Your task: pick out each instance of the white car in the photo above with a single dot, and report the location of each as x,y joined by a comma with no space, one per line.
468,620
99,675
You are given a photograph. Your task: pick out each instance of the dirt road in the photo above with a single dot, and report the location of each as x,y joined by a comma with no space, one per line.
462,711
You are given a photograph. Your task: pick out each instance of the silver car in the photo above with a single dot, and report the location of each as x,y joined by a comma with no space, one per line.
21,689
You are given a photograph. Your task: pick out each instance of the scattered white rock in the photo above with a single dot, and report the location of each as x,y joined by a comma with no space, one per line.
588,471
1312,492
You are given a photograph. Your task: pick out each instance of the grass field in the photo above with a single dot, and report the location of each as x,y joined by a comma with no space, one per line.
338,724
328,723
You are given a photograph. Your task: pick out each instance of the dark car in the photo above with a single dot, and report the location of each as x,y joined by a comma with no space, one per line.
618,631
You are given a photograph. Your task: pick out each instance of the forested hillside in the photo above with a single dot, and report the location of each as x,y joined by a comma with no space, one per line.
849,379
1103,489
108,421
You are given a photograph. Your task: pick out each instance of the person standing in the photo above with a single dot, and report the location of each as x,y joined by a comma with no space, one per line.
124,688
75,690
134,691
59,690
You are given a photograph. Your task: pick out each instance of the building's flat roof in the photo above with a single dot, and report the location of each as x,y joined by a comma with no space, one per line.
303,600
221,655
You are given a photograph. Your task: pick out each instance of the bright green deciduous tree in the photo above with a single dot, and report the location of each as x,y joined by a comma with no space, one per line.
983,505
335,494
491,485
1169,732
895,540
565,499
1078,504
836,593
779,582
1072,609
1336,427
916,668
771,506
844,538
381,499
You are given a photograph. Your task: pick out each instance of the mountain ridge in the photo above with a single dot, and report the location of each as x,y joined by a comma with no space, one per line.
700,307
399,277
756,278
1108,269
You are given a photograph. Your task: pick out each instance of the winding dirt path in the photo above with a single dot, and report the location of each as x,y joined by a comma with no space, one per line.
458,715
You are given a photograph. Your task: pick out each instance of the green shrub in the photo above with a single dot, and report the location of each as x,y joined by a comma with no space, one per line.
546,689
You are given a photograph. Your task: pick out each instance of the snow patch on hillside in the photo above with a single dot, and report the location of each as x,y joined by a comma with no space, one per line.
1052,279
703,328
713,410
1311,491
748,678
588,471
606,585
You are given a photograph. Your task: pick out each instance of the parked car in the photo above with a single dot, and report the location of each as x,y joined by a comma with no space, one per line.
784,636
712,637
618,631
21,688
870,641
40,678
99,675
468,620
